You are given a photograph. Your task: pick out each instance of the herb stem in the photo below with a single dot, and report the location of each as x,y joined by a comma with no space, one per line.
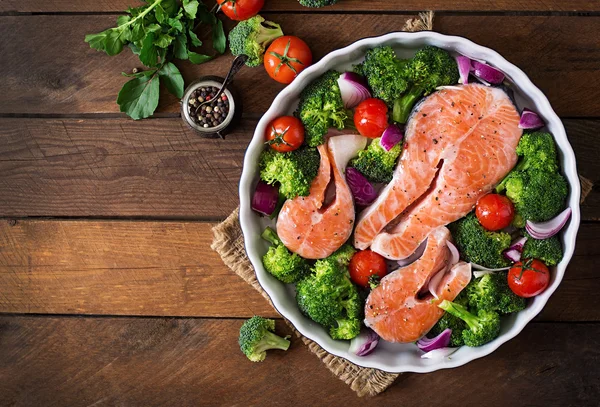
142,14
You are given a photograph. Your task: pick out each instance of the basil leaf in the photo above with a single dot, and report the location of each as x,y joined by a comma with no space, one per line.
98,41
196,58
191,8
114,41
180,49
175,24
139,97
123,20
205,16
218,37
163,40
148,53
160,14
194,38
137,33
152,28
172,79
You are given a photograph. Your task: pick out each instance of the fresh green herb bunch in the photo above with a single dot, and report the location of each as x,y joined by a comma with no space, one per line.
157,32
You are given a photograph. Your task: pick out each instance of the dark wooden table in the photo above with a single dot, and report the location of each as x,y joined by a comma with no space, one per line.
109,292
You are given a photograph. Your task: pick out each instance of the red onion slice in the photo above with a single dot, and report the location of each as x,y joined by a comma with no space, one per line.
455,256
518,244
441,341
415,256
512,255
391,136
362,190
487,73
464,68
544,230
353,89
264,200
530,120
364,343
434,283
438,354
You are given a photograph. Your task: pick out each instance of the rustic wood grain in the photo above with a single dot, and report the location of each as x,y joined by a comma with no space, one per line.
119,268
155,168
184,362
33,6
168,269
67,77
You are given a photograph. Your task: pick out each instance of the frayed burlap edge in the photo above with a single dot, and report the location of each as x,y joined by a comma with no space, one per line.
229,244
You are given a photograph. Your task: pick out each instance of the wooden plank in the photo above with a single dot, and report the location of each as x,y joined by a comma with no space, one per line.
155,168
67,77
120,268
152,362
167,269
34,6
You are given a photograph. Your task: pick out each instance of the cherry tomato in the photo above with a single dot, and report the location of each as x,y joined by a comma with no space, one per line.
286,57
370,117
364,264
285,133
494,211
528,278
241,9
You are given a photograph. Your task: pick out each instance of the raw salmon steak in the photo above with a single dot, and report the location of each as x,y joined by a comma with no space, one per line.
398,310
308,227
459,143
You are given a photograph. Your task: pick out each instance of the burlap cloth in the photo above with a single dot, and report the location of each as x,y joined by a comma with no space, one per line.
229,244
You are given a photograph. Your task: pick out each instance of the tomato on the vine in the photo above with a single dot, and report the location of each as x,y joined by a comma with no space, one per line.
370,117
365,264
285,133
286,57
241,9
528,278
494,211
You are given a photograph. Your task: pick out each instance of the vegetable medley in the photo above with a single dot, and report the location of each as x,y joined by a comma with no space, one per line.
509,238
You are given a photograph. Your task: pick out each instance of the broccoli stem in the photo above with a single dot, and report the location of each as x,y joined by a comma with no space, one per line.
460,312
272,341
403,106
271,236
268,34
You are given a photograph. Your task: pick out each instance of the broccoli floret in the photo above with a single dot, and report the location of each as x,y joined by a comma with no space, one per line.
374,281
385,73
538,196
448,320
329,298
484,293
478,245
251,37
321,107
256,337
483,327
508,301
375,163
284,265
317,3
538,152
343,255
429,68
492,293
547,250
294,170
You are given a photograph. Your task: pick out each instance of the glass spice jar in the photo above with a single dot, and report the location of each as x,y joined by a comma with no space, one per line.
214,119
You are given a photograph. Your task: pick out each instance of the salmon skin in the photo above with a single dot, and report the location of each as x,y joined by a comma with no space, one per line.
394,308
459,143
305,225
